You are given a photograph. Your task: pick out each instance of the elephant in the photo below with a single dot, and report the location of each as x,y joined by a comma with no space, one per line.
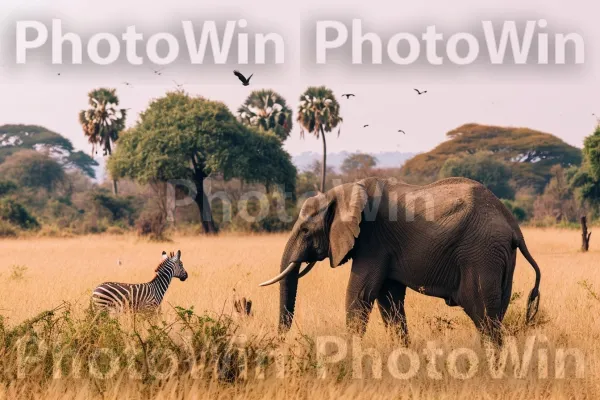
452,239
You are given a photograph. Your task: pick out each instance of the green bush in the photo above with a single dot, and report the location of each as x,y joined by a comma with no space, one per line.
13,212
252,220
7,230
152,224
519,213
118,208
7,187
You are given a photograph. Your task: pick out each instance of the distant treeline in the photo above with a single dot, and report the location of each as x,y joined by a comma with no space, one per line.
243,180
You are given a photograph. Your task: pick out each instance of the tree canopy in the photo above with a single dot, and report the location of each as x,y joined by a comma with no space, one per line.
267,110
530,154
183,137
358,165
103,121
29,168
494,174
319,113
586,179
16,138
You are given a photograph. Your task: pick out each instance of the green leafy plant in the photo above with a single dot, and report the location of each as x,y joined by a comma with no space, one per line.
15,213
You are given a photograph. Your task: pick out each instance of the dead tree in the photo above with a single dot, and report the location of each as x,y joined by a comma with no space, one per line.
585,236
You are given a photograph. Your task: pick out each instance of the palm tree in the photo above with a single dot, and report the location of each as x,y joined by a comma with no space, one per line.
267,110
318,113
103,122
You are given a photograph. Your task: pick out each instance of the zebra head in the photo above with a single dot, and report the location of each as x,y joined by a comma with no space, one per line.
173,264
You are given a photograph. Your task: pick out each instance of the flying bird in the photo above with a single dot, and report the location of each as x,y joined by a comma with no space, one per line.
179,85
157,71
364,126
127,84
348,95
419,92
242,78
400,130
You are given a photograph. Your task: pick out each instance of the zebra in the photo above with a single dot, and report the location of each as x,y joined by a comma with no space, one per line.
141,296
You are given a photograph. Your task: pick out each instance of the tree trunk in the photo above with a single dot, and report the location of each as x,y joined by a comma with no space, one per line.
585,236
324,164
108,152
208,224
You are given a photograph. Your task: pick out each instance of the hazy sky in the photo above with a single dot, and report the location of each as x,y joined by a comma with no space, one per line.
556,99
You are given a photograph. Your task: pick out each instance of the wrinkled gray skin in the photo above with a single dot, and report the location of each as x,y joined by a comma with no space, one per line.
452,239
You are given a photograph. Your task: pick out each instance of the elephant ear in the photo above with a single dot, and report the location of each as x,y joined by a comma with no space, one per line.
348,205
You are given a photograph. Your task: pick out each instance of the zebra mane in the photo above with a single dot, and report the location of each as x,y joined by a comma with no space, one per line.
165,261
162,264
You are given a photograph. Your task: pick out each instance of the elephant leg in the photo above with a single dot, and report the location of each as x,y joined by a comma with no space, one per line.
366,279
391,307
481,296
507,289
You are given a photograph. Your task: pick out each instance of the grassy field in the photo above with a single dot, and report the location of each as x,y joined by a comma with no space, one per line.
38,275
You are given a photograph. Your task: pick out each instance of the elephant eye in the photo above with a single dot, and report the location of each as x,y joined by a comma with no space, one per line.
304,231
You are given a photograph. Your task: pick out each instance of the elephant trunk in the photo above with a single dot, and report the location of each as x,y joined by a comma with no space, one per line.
288,287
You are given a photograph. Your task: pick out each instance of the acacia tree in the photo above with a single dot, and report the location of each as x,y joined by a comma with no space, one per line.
358,165
528,153
318,113
183,137
103,122
17,138
267,110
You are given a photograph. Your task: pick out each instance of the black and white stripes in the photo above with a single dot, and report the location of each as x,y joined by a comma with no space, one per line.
142,296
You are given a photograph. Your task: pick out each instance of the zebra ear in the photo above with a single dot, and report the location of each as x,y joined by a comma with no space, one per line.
164,255
179,254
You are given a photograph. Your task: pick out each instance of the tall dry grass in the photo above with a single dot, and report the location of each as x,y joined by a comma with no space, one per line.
37,275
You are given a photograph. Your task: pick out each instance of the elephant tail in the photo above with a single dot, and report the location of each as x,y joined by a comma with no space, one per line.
533,301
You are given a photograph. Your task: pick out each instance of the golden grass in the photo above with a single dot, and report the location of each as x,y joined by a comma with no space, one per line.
38,274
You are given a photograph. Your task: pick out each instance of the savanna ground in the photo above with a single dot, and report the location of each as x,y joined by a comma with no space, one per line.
39,274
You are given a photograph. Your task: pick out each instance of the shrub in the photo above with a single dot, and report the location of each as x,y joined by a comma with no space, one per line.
519,213
7,230
118,208
152,224
6,187
13,212
252,221
115,230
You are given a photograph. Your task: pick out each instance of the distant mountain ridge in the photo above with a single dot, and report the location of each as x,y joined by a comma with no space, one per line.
385,159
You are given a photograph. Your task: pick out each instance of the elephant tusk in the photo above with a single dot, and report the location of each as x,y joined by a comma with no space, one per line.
290,268
306,269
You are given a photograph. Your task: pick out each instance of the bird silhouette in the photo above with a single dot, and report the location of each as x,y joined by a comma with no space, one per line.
400,130
157,71
348,95
419,92
364,126
245,81
127,84
179,85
